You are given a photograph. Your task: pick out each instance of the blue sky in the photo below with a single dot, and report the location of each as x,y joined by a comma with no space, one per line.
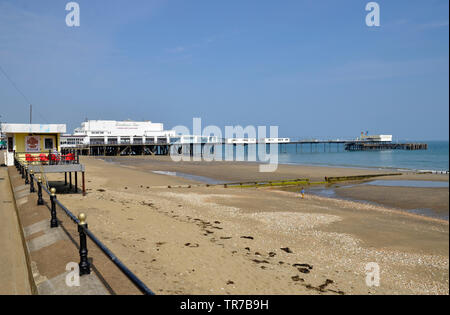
311,67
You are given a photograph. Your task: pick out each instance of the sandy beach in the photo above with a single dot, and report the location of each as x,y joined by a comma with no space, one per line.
216,240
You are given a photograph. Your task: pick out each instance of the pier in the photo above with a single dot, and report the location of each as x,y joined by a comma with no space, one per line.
301,146
373,146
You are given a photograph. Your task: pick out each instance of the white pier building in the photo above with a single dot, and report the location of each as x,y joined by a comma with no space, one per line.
111,132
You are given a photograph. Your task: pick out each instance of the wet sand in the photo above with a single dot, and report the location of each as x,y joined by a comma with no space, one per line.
427,201
244,171
215,240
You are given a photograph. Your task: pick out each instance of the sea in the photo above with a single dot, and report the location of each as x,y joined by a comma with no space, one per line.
435,158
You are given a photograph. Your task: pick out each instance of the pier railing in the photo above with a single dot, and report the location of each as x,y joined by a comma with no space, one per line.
77,227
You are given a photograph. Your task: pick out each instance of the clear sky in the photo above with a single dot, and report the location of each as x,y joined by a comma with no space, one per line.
311,67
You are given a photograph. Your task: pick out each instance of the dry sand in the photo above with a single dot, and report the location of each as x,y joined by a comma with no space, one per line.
215,240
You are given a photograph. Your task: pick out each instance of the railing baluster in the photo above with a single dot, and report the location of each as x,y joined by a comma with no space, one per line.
54,220
26,176
85,267
40,201
31,182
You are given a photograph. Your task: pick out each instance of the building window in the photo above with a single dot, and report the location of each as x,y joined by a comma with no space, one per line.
48,143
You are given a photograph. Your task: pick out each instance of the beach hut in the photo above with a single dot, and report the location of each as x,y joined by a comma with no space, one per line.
38,147
31,140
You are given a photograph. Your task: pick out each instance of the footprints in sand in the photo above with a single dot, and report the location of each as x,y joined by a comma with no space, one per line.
260,261
264,261
303,268
321,288
297,278
149,204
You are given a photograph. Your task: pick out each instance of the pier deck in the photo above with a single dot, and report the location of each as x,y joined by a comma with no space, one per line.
311,146
362,146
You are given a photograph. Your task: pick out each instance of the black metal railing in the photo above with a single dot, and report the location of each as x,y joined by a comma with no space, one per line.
83,229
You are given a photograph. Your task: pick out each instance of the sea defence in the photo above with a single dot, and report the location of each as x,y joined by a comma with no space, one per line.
358,177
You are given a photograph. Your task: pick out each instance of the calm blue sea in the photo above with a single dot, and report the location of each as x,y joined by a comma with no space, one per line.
433,159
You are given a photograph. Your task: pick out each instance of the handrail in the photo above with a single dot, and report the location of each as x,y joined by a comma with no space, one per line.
139,284
47,158
124,269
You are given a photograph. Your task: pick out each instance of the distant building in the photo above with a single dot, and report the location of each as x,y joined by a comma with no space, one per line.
187,139
376,138
275,140
105,132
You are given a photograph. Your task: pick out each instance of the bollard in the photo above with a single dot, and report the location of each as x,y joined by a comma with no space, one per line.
85,267
26,176
31,182
40,201
53,221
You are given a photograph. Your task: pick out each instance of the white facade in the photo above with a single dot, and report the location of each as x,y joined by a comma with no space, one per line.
379,138
276,140
117,132
33,128
241,140
184,139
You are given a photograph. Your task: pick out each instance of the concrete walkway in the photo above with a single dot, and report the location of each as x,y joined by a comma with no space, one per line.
14,274
50,249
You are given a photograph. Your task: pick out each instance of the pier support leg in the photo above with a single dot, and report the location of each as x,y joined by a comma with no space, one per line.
65,178
83,184
76,182
70,180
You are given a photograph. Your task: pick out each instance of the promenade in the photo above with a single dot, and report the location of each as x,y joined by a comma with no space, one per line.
14,275
49,249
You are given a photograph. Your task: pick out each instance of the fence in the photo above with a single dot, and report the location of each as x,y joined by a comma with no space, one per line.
77,227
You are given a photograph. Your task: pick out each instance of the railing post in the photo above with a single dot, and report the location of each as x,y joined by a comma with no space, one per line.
40,201
31,182
26,176
22,170
85,267
54,220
